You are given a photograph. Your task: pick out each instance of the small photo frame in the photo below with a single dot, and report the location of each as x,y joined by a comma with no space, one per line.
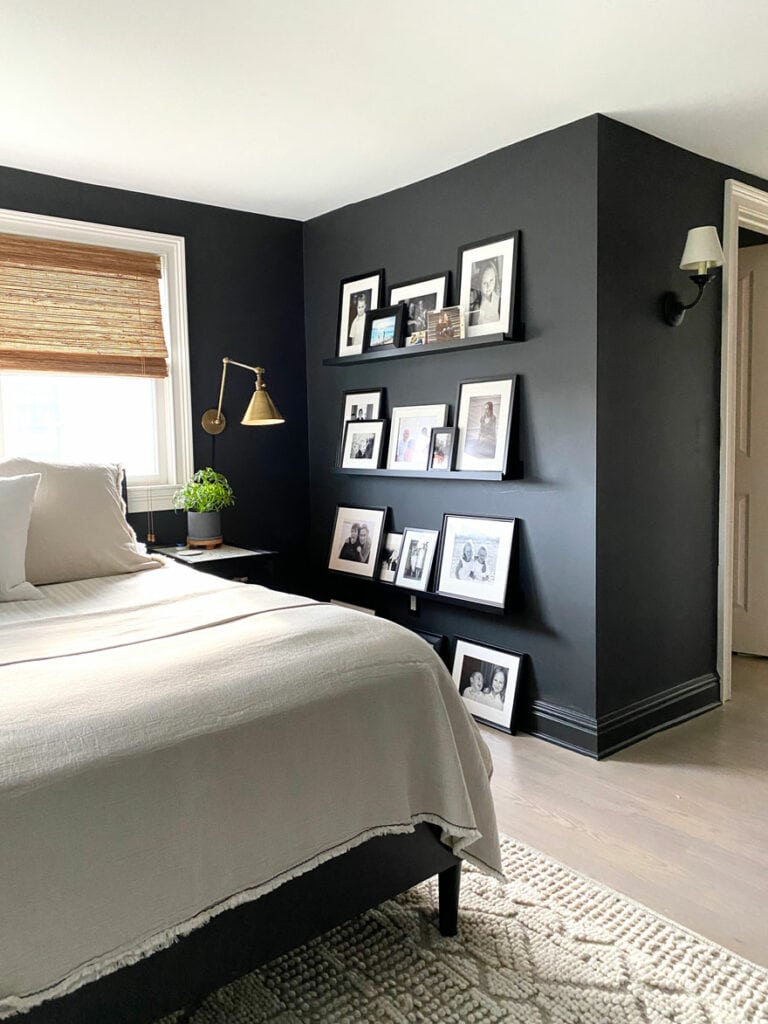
488,681
442,446
390,557
445,325
475,559
417,338
484,419
487,284
384,328
359,405
416,557
420,295
362,444
358,296
356,540
410,433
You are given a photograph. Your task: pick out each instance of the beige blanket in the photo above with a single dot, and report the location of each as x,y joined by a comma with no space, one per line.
173,756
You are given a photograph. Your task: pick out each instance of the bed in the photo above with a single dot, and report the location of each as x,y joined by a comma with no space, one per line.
196,775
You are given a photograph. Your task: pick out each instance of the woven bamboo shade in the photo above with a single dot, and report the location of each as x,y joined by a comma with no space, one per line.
70,308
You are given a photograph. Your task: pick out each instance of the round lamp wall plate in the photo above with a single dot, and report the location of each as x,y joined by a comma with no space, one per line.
213,424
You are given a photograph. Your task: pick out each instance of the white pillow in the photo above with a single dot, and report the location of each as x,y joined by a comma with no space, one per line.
16,496
78,528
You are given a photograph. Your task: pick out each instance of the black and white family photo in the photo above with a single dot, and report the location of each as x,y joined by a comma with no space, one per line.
474,558
357,546
361,444
485,291
487,679
359,304
482,429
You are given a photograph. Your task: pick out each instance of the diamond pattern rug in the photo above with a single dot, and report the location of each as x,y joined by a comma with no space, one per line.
550,947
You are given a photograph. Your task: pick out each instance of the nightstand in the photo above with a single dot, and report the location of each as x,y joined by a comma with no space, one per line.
245,565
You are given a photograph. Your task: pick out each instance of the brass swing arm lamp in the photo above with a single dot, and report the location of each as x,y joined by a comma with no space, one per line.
261,411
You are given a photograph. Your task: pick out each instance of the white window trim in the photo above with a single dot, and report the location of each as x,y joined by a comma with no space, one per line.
170,249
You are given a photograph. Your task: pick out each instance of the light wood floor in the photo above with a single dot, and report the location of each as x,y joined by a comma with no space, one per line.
679,821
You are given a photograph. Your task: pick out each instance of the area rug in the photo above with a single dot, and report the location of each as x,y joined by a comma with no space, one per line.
550,947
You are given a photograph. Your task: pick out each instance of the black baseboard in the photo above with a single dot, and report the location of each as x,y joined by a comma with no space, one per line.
634,722
600,737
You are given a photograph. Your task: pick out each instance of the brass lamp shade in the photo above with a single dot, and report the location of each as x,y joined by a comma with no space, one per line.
261,411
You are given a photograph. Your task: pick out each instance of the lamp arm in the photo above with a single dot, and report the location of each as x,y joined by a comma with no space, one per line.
673,309
701,281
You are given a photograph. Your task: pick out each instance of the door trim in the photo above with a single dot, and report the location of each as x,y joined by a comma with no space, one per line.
745,207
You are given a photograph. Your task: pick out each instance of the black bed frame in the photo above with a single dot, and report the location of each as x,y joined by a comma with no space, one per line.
239,940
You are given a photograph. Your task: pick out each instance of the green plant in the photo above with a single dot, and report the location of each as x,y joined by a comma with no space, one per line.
207,491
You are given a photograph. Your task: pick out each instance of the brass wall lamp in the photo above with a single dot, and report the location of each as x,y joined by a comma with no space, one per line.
261,411
703,255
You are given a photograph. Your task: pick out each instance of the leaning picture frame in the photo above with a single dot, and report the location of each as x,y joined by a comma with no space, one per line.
475,559
409,435
356,540
384,328
484,416
420,295
488,681
362,444
359,404
358,295
442,449
417,555
487,273
390,557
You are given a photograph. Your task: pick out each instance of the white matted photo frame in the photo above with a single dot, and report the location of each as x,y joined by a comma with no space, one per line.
356,540
475,559
488,283
488,681
421,295
417,555
390,557
362,444
484,416
409,435
367,404
358,296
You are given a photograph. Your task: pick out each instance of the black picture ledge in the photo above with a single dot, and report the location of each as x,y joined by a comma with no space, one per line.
438,474
423,350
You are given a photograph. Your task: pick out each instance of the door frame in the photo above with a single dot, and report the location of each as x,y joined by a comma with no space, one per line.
745,207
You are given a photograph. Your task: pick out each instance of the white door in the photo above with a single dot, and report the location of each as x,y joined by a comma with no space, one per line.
750,576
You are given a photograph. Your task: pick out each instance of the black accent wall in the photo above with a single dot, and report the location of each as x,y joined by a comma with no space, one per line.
245,300
547,188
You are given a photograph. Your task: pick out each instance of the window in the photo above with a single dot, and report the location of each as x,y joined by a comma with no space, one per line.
142,422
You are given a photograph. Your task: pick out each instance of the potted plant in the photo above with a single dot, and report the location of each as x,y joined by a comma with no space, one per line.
202,498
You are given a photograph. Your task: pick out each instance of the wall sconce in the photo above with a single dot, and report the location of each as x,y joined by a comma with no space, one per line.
261,411
702,255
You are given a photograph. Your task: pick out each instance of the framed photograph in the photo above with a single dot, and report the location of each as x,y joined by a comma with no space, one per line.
484,421
420,296
445,325
384,328
441,448
359,405
475,559
416,557
390,557
362,444
409,435
356,540
487,284
417,338
487,679
358,296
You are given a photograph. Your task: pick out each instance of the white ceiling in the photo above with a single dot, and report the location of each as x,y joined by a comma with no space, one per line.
295,107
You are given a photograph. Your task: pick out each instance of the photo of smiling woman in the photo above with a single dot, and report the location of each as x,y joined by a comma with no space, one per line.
487,680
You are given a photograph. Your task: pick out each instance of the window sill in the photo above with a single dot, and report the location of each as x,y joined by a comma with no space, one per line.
158,498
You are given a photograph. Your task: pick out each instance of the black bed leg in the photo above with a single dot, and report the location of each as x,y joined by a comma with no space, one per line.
449,883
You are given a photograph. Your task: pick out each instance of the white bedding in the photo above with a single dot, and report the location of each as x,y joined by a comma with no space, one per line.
172,745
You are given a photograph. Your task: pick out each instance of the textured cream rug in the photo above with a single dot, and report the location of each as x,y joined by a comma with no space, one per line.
551,947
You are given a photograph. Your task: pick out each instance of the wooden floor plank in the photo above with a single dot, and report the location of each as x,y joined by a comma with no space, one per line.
678,822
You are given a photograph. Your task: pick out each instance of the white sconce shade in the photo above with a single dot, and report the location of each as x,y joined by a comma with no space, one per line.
702,250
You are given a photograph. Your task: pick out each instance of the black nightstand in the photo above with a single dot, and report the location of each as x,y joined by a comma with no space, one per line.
245,565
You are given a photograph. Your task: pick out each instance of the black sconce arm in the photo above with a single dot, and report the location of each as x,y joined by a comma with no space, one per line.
674,309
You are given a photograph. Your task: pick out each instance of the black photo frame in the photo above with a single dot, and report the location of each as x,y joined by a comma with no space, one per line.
358,404
421,295
394,319
476,558
442,449
488,278
341,557
357,296
492,446
472,659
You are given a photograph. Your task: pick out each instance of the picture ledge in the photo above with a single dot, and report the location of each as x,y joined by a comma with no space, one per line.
438,474
423,350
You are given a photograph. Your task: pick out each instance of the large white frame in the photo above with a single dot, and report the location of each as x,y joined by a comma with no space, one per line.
170,249
746,207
